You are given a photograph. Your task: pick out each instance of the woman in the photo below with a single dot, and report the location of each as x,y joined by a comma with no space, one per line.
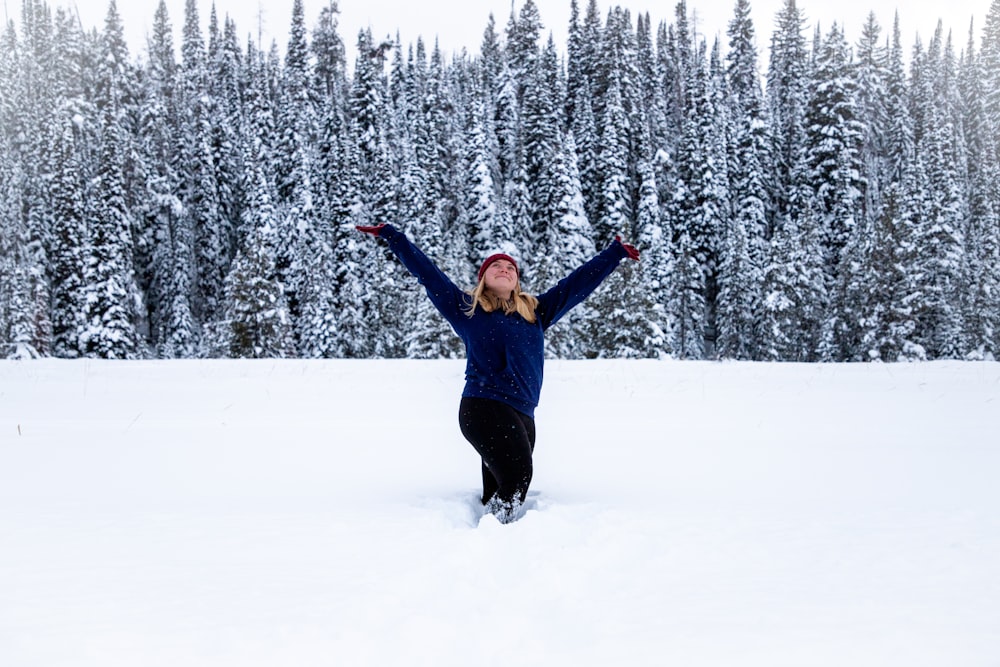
502,328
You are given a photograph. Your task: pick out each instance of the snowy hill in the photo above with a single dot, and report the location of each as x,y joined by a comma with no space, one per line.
324,513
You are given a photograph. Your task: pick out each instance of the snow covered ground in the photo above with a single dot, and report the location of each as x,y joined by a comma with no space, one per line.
299,513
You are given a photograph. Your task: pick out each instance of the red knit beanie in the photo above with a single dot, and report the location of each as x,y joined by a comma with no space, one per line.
492,258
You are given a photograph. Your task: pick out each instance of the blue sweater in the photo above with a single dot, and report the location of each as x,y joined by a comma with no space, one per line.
505,353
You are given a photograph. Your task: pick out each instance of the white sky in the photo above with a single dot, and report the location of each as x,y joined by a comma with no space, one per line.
460,23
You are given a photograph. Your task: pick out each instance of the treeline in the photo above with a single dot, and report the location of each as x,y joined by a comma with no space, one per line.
204,205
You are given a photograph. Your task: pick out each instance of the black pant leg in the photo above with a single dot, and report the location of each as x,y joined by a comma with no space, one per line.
490,485
504,438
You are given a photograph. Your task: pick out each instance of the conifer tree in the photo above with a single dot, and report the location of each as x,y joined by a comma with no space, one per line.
177,335
72,69
673,46
296,112
787,88
591,38
507,124
795,292
372,324
981,264
739,300
576,76
225,88
899,134
490,58
570,244
621,326
700,202
619,62
686,297
111,294
10,65
848,323
541,137
425,333
412,200
445,112
25,330
652,104
615,202
69,248
434,126
513,228
892,290
348,255
165,248
523,34
198,186
653,240
110,330
745,246
584,121
317,317
991,64
34,105
584,126
871,73
27,327
256,311
33,328
331,181
257,322
620,316
369,111
833,135
301,238
401,90
895,295
13,290
941,241
330,54
481,199
648,292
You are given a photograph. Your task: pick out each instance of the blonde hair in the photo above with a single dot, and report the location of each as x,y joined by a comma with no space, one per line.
520,302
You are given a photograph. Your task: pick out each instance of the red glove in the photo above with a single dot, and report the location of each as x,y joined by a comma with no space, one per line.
633,253
375,230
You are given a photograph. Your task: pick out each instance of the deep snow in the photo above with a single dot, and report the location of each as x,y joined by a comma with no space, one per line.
298,513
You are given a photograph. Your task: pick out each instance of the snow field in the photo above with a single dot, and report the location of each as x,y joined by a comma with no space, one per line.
325,512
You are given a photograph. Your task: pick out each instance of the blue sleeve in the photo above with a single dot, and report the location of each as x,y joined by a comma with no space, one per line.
444,294
577,286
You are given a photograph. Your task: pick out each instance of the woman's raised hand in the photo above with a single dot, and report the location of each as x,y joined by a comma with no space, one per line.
633,253
374,230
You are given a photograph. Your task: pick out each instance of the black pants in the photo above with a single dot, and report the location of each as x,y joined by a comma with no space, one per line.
505,439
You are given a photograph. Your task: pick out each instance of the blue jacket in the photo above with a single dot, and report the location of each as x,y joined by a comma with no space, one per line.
505,353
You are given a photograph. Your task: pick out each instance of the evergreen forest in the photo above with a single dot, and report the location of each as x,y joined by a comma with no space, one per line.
811,200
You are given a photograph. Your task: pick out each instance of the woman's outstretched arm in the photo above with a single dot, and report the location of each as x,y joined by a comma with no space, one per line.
578,285
444,294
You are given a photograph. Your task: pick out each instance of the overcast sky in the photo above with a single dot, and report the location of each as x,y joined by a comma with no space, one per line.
460,23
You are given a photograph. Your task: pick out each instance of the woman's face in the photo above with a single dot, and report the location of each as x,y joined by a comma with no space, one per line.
501,278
